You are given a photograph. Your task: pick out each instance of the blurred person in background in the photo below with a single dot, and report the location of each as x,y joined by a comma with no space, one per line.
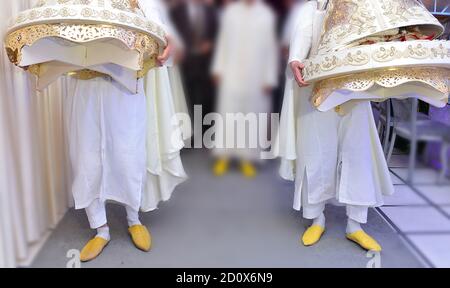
221,5
196,21
245,69
170,4
292,7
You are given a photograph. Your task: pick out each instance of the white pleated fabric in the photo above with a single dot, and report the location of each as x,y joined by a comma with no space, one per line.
166,112
33,165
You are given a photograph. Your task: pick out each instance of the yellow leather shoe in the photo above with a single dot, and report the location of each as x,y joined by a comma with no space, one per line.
141,237
221,167
365,241
93,249
248,169
313,235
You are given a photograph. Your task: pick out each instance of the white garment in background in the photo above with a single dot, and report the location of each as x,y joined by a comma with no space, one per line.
338,157
290,23
246,60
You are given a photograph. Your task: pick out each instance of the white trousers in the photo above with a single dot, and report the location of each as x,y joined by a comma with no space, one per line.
312,211
356,213
96,213
107,130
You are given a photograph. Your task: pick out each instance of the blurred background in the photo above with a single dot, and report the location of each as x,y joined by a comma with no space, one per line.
35,175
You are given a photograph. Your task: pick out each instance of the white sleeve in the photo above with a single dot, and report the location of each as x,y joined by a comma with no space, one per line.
288,26
220,53
301,39
157,11
152,11
272,60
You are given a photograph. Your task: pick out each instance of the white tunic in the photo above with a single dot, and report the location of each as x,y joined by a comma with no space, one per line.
246,60
106,127
290,23
126,147
340,157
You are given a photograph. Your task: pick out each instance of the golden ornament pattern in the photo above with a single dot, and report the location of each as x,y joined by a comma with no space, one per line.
125,5
347,21
79,11
385,54
143,43
436,78
80,21
87,74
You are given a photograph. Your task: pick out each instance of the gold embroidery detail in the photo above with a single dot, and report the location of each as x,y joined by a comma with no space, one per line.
122,12
87,74
143,43
148,65
434,77
383,54
347,21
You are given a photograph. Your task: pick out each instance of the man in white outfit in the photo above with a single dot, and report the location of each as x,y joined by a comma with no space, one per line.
245,67
336,158
107,130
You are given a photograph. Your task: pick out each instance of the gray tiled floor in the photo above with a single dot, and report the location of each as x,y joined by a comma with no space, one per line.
446,210
422,176
396,180
228,222
418,219
404,196
421,213
439,195
435,247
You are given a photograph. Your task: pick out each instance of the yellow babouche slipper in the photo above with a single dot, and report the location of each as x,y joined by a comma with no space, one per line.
141,237
221,167
248,169
313,235
93,249
365,241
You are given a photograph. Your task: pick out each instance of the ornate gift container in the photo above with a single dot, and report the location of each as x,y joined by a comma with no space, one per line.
86,38
382,49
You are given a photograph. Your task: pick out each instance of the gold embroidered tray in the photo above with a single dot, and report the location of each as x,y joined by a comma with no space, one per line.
348,21
84,21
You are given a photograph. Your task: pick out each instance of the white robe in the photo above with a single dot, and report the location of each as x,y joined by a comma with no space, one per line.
165,103
290,23
246,62
106,127
339,157
104,120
